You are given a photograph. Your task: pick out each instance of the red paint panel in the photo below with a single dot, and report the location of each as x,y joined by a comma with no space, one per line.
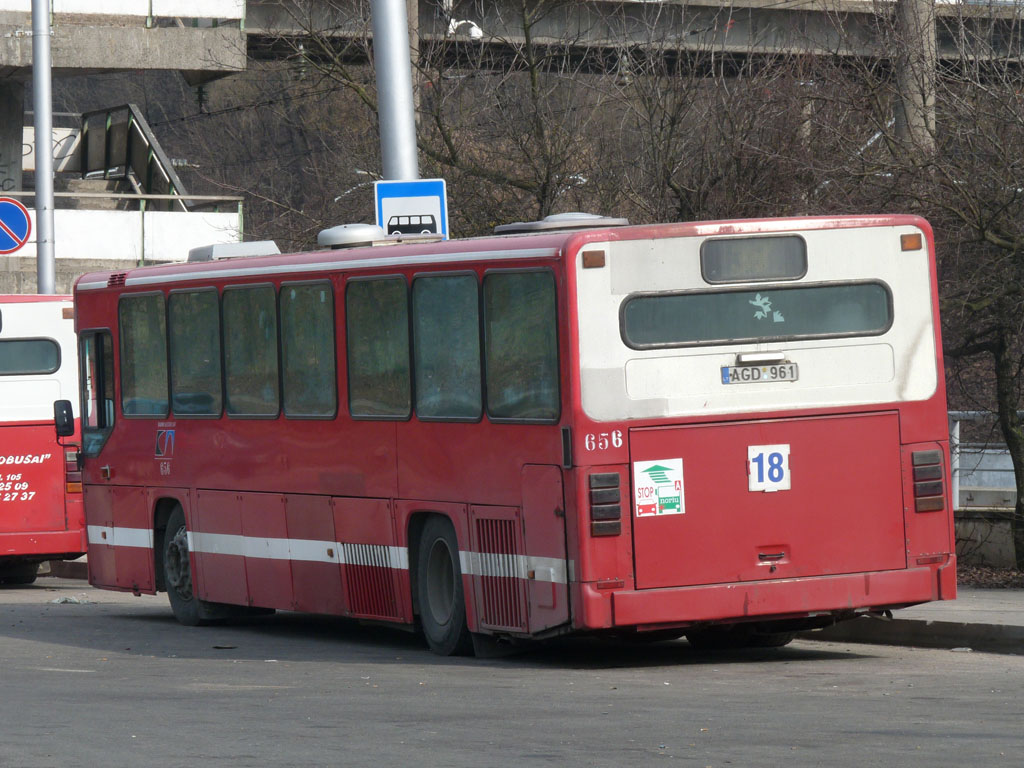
219,577
31,479
544,536
316,586
269,578
99,514
842,514
134,564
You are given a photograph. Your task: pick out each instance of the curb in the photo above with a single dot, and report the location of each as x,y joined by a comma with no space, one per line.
68,569
952,635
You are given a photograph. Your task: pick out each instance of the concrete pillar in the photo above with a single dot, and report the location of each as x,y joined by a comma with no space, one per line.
12,120
915,73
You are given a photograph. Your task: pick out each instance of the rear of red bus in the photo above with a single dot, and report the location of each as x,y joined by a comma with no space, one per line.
41,516
760,432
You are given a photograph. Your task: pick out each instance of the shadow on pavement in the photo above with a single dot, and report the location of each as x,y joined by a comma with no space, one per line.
120,624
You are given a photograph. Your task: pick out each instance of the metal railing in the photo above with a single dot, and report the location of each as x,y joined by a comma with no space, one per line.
117,143
992,459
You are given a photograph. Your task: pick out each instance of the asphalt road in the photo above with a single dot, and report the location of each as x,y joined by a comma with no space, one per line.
115,681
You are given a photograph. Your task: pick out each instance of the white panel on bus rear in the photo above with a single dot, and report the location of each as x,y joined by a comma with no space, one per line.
30,397
621,382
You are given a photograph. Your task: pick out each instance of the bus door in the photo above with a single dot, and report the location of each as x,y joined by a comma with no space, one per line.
772,499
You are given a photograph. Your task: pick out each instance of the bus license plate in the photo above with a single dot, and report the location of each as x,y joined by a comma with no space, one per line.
756,374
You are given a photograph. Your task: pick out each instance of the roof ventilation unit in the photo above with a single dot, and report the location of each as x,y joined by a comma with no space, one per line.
219,251
561,221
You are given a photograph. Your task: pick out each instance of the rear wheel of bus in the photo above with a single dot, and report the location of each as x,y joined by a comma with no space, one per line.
441,598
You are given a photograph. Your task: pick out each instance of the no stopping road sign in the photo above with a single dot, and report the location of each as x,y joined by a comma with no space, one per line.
15,225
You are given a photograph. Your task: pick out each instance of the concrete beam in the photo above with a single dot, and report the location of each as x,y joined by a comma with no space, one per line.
82,45
840,27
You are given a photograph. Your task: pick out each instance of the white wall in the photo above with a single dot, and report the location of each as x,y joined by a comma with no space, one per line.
119,234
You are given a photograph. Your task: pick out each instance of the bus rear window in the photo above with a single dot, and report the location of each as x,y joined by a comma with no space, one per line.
751,259
771,314
24,357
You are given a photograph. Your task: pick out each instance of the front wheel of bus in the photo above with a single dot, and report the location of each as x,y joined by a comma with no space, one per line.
442,599
178,571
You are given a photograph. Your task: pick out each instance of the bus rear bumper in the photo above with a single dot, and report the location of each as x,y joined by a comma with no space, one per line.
790,598
43,544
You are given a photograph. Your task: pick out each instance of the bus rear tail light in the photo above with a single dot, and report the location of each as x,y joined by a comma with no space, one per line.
72,474
929,485
605,504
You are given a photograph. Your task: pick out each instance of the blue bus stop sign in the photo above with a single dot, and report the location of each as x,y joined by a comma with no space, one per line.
15,225
417,207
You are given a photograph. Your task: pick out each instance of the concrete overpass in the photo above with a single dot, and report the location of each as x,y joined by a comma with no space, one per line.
602,30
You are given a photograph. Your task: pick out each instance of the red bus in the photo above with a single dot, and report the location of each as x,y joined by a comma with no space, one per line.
41,515
728,430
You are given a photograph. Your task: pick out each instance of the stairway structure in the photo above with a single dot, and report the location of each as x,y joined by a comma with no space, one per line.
110,165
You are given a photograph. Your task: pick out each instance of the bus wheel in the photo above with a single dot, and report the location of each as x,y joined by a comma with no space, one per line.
19,574
442,600
718,638
771,639
736,636
178,572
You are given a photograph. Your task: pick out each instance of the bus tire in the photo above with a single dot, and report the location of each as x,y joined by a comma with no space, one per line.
719,638
23,574
187,608
442,600
771,639
729,637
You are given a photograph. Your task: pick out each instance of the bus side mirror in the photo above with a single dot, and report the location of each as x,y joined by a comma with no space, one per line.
63,418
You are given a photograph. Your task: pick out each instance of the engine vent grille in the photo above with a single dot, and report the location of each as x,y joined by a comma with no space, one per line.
369,581
501,583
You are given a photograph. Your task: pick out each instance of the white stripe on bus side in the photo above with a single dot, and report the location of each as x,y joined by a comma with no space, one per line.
547,569
120,537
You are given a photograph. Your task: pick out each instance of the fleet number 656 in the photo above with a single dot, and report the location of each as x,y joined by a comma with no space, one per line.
601,441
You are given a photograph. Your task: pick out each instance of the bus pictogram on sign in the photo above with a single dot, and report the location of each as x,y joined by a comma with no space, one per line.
15,225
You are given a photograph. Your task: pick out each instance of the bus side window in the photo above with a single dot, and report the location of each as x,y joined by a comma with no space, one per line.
521,346
307,350
250,351
97,376
446,347
194,324
143,327
377,321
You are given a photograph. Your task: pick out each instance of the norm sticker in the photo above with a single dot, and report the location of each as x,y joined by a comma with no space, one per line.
659,487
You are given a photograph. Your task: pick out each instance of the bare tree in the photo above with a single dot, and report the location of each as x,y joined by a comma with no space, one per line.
966,176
